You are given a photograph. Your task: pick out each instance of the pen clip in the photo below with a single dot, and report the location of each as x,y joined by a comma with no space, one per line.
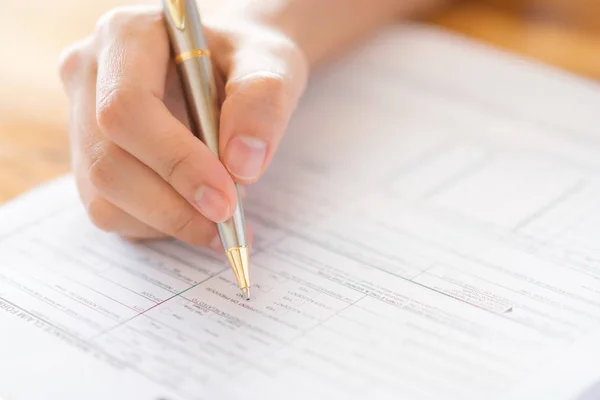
177,11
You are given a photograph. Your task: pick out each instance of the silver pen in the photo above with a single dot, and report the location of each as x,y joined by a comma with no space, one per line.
193,60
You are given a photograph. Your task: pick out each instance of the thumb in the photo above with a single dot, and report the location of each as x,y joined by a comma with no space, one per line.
263,86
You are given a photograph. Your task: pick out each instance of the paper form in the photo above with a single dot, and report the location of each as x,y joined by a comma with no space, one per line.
450,253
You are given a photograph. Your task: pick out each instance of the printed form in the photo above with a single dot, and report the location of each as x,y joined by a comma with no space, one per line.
428,230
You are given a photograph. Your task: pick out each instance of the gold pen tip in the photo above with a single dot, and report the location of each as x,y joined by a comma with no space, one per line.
238,259
246,293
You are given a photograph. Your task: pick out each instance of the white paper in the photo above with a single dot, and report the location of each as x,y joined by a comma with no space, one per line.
428,230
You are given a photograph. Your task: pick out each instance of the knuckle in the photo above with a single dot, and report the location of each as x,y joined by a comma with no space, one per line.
129,19
290,51
103,165
263,89
275,93
172,165
182,224
271,83
191,228
112,110
113,20
71,60
103,214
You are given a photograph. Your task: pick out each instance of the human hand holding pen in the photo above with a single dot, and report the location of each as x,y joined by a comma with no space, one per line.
140,171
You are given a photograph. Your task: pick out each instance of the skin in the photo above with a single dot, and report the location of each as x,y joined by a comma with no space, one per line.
139,170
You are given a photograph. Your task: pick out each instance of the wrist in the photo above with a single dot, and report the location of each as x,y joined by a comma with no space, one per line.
319,28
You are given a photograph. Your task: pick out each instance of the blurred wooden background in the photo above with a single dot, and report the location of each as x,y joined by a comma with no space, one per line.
33,141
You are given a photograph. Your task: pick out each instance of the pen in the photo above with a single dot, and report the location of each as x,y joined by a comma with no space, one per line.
193,60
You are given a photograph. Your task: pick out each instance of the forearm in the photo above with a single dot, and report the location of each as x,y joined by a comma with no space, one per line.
324,27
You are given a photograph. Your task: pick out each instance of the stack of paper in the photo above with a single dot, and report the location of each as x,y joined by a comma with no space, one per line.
429,230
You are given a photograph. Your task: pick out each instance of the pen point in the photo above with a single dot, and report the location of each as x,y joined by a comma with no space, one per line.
238,259
246,293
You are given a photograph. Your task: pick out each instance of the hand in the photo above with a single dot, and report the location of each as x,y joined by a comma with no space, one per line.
139,170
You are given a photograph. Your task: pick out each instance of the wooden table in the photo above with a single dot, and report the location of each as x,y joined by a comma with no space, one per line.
33,142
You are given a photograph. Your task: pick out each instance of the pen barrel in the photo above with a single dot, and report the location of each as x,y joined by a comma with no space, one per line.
202,99
233,231
195,68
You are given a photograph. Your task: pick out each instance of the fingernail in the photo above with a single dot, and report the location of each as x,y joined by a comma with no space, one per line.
212,203
215,243
245,157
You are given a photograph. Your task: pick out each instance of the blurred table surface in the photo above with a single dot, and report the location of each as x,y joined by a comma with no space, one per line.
33,139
